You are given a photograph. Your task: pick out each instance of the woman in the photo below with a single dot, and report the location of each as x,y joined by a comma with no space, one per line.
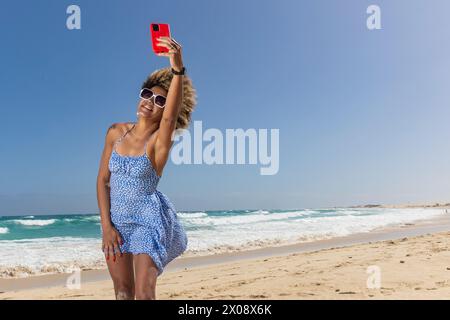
139,223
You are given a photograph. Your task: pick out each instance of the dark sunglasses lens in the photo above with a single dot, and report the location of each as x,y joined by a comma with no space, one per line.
146,94
160,101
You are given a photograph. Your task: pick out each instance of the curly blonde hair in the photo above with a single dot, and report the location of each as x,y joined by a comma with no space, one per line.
162,78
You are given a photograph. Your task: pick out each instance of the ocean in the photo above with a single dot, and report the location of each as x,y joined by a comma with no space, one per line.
42,244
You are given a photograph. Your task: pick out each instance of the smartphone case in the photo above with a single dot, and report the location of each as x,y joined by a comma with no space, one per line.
164,31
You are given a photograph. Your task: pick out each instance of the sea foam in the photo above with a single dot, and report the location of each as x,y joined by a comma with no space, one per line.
34,222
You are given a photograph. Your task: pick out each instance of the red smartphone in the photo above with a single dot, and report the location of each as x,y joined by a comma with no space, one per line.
159,30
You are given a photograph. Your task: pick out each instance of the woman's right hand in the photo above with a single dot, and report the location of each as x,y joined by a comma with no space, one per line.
111,240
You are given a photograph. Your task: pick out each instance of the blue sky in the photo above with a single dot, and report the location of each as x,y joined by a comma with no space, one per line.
363,115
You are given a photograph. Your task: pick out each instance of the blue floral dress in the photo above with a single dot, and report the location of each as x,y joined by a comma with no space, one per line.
145,217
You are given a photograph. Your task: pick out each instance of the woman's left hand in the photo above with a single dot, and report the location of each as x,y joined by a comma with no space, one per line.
176,61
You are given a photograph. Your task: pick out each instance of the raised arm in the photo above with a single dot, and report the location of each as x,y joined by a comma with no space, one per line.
174,95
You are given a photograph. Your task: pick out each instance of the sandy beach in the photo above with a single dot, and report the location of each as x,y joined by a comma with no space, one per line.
413,261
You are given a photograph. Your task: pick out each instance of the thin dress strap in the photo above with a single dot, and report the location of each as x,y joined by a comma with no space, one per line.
145,146
123,136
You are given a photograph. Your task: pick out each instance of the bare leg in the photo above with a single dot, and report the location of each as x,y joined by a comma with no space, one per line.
146,276
122,275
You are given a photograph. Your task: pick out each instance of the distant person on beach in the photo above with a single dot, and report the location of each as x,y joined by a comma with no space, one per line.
141,232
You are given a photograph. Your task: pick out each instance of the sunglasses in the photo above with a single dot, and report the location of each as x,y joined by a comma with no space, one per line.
148,94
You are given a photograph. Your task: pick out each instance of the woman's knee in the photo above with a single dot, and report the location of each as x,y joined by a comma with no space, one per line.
145,290
124,291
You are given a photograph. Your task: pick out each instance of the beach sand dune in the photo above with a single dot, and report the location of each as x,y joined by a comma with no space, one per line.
410,268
